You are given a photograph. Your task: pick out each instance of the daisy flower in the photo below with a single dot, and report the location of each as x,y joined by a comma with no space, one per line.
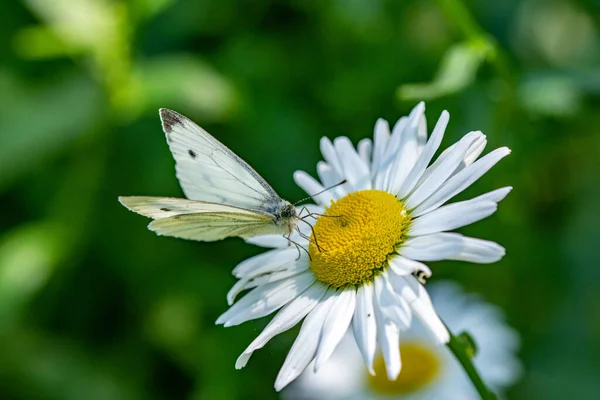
367,244
429,371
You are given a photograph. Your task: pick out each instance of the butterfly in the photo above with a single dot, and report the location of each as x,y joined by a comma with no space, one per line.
225,196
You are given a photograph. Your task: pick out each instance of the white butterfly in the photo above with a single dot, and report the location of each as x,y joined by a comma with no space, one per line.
225,196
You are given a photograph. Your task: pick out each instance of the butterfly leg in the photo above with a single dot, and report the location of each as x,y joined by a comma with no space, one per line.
298,246
302,210
314,235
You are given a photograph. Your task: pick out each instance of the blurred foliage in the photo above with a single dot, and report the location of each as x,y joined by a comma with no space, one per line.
94,306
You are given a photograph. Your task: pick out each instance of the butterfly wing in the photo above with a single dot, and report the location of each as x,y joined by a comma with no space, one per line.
197,220
209,227
209,171
165,207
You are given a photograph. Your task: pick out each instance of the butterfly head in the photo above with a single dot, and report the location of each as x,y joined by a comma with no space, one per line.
286,216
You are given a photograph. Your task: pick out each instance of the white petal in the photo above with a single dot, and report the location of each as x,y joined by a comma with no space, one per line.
495,195
365,150
274,259
355,170
479,251
384,171
249,282
268,268
395,141
474,150
435,247
424,310
336,325
331,178
466,212
441,173
408,150
388,336
420,303
285,319
307,182
363,324
461,181
422,133
426,155
327,174
381,135
311,186
330,155
305,346
263,300
405,266
452,216
270,241
391,305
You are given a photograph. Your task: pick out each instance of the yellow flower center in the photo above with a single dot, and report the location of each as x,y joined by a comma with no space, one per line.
420,366
356,236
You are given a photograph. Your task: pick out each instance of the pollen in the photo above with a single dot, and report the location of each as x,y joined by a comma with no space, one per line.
420,367
352,241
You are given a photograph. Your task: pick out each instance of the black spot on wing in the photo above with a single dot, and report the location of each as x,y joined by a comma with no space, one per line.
192,153
165,209
170,119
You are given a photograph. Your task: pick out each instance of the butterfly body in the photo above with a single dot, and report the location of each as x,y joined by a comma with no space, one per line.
285,217
225,196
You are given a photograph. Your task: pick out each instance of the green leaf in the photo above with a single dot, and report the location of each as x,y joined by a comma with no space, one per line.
28,257
37,122
81,24
457,70
146,9
468,343
184,83
41,42
551,95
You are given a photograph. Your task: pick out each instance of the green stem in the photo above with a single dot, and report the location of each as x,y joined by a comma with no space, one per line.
465,23
460,15
459,349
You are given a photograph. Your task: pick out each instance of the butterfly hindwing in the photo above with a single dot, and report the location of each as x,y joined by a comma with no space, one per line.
198,220
209,227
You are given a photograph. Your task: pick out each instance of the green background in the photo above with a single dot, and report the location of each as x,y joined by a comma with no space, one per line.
94,306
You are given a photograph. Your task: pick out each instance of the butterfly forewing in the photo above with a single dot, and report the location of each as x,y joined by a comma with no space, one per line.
209,171
165,207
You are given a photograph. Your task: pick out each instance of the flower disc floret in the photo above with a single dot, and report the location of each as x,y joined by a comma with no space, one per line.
355,237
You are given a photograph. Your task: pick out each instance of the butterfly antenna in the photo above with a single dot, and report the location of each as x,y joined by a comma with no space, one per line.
322,191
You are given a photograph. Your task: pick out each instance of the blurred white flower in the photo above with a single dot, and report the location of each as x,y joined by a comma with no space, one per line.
430,371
